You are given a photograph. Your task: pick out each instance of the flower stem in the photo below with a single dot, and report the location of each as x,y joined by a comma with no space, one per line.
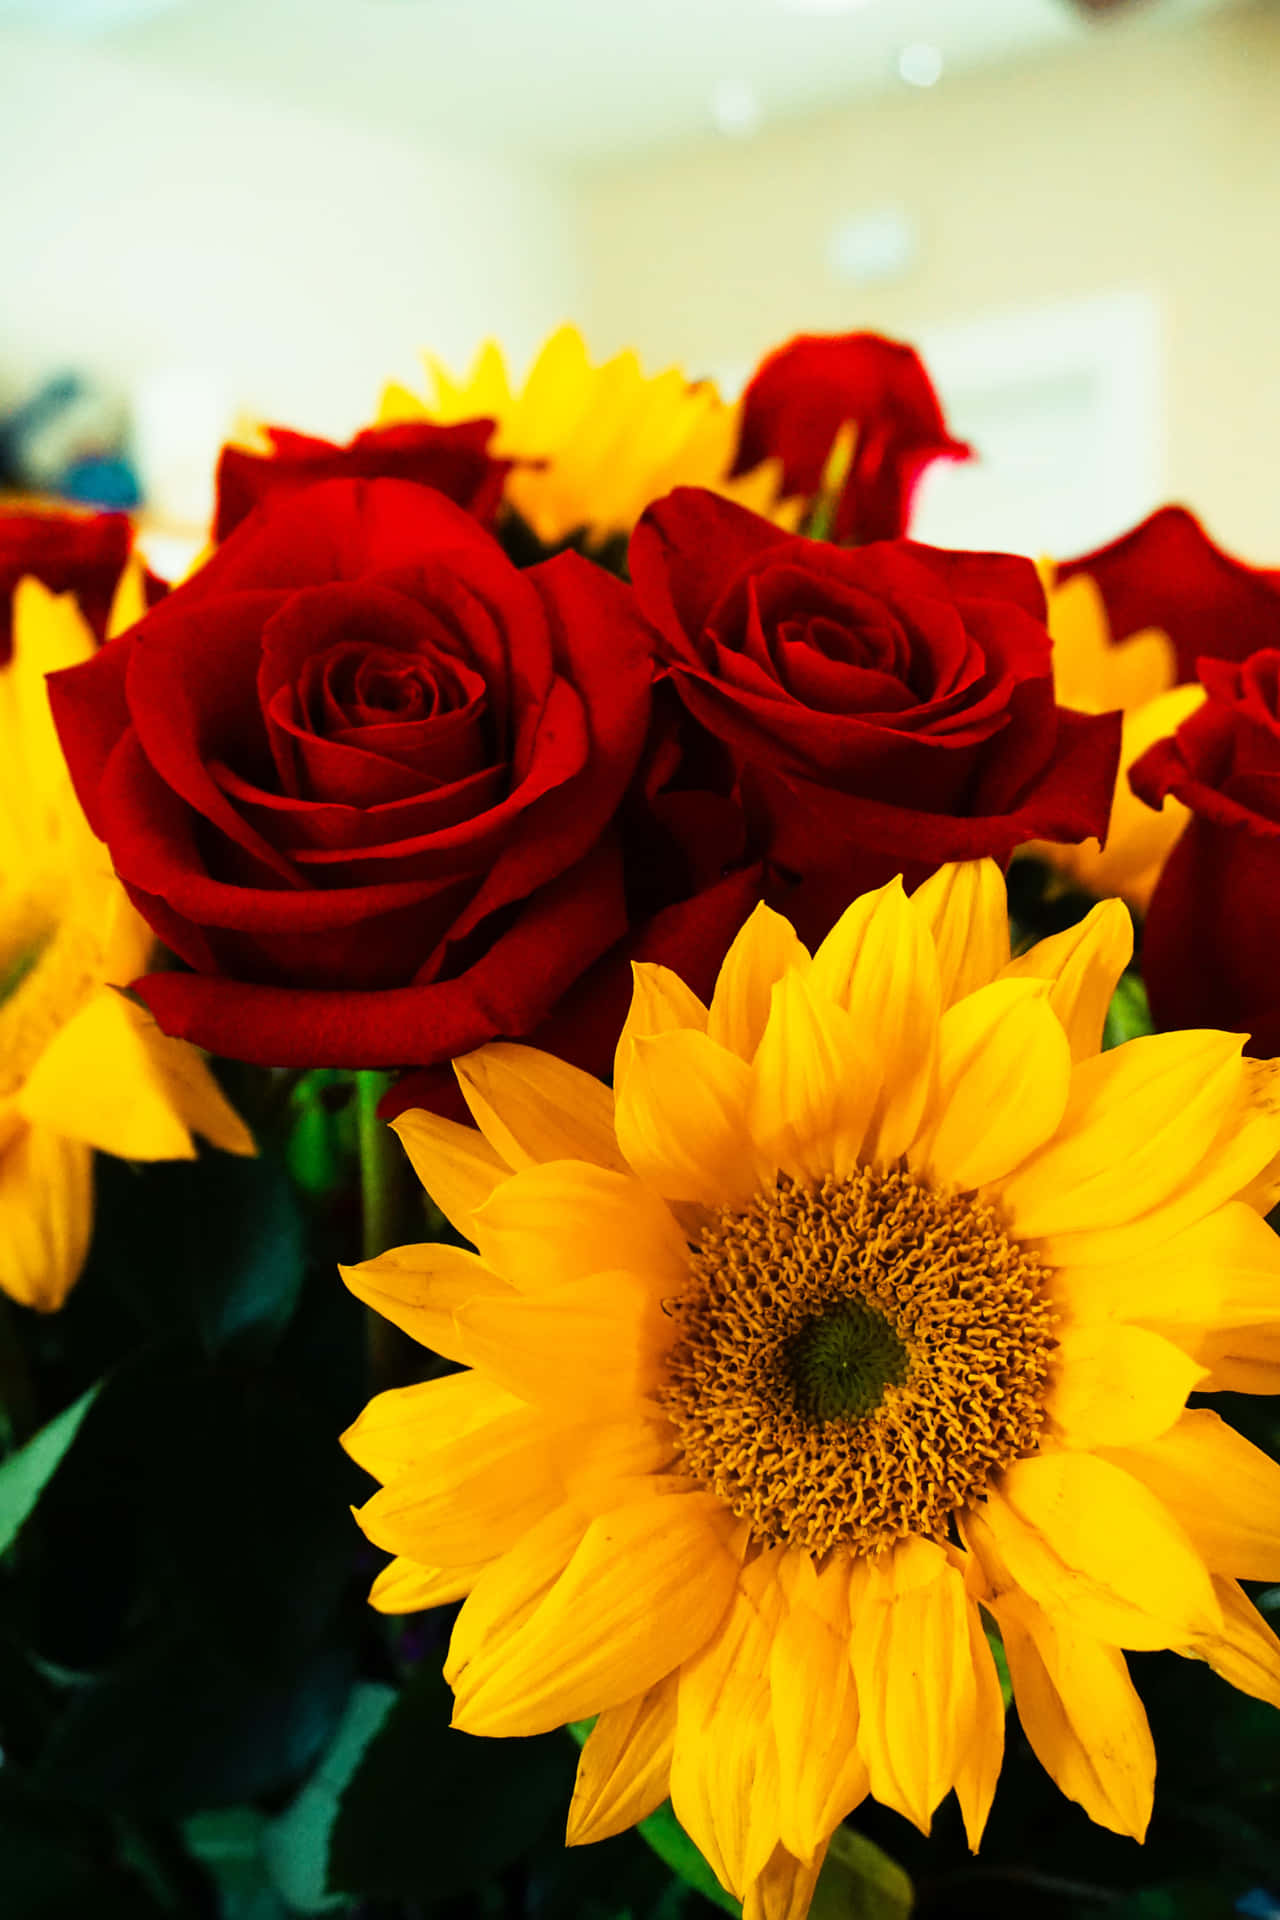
383,1197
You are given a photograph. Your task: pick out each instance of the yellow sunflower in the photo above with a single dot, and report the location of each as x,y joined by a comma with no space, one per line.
81,1066
859,1324
596,444
1095,674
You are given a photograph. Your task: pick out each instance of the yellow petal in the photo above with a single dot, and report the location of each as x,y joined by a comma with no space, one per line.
512,1587
1133,1136
1245,1653
784,1888
408,1427
1004,1070
1223,1491
1221,1272
419,1289
456,1165
1111,1386
405,1587
724,1765
565,1219
682,1119
1241,1360
1092,1543
822,1775
966,908
1082,1715
880,964
644,1590
660,1003
110,1078
765,949
1083,965
979,1770
917,1696
625,1765
129,602
596,1342
531,1107
814,1087
46,1214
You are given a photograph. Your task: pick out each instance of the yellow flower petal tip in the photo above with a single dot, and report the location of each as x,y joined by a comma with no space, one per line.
593,445
857,1322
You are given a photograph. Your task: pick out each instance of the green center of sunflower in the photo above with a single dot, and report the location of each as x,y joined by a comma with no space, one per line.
858,1360
841,1362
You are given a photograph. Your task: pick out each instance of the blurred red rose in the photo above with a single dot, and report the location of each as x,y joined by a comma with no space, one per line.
360,773
1167,573
451,459
803,393
84,554
1212,936
881,709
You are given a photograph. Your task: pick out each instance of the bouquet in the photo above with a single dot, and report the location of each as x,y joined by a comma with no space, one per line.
772,1023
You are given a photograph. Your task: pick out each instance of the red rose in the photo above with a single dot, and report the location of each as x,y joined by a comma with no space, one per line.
1168,573
84,554
883,709
802,394
451,459
359,772
1212,936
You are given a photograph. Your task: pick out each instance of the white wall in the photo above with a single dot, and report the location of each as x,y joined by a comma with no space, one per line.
270,260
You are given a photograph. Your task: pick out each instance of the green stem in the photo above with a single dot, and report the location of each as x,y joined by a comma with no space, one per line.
390,1217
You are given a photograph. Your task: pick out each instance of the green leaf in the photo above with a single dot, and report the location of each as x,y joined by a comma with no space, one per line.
1129,1015
296,1843
431,1812
676,1850
25,1474
859,1882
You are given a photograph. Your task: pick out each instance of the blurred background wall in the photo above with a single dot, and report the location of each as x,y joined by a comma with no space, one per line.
264,208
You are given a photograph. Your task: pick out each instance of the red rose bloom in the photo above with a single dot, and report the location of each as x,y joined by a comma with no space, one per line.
1168,573
359,772
802,394
883,709
451,459
84,554
1213,927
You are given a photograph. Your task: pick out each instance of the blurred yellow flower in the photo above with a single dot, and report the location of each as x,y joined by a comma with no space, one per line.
858,1322
1096,675
595,444
81,1065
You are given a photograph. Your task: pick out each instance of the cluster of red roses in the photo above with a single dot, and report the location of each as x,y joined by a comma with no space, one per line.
390,795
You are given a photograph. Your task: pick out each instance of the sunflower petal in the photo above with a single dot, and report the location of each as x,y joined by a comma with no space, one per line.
1092,1543
456,1165
814,1086
1223,1491
660,1003
1246,1653
683,1119
815,1709
593,1342
1220,1272
917,1697
405,1587
1081,1713
979,1770
784,1887
1115,1385
531,1107
46,1215
764,950
419,1290
1004,1071
565,1219
966,908
1083,965
645,1588
879,962
625,1766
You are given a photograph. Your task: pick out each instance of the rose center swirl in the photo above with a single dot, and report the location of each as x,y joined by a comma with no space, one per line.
857,1360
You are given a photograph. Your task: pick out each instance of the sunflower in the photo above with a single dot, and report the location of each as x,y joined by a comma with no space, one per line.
81,1066
596,444
857,1327
1095,674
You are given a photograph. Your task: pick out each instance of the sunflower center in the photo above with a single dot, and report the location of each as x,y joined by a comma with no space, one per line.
857,1360
841,1361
